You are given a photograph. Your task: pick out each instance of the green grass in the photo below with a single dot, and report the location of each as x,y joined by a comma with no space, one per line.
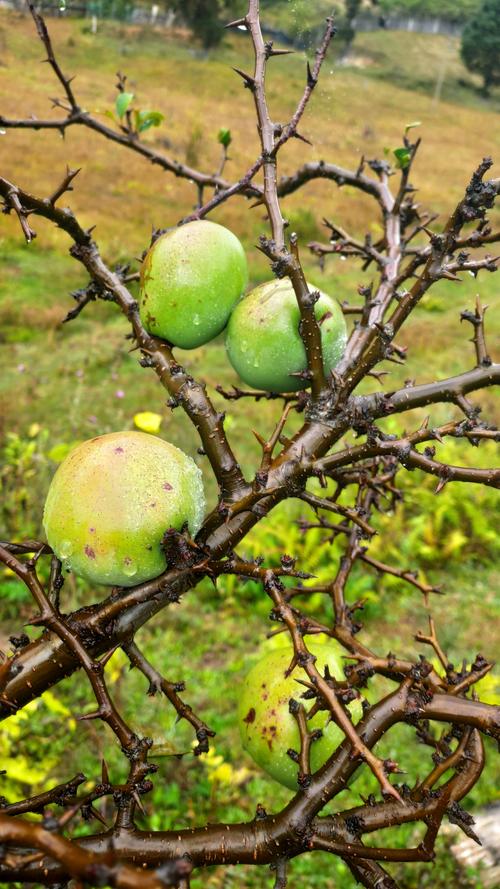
74,381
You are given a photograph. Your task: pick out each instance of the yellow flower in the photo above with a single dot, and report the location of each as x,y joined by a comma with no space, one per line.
223,774
147,421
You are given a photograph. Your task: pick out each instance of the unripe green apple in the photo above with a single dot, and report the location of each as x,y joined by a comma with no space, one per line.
111,501
263,340
267,727
191,278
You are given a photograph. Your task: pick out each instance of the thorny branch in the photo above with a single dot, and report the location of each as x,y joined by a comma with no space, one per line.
366,478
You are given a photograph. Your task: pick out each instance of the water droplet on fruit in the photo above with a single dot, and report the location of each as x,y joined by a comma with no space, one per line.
196,320
244,346
65,549
256,362
129,568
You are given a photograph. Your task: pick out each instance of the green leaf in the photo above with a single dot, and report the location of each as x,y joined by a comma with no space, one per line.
60,451
224,137
403,157
123,101
412,125
146,119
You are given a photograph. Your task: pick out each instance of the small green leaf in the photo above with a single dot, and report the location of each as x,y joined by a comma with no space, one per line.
224,137
412,125
146,119
60,451
123,101
403,157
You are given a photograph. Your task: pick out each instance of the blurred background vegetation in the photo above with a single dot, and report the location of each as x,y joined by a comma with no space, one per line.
61,384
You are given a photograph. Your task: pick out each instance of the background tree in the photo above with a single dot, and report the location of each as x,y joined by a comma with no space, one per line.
206,18
330,450
480,47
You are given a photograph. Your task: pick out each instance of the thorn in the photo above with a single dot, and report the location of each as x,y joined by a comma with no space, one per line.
139,803
237,23
97,815
302,138
109,654
281,52
96,714
442,482
259,438
104,772
37,620
247,78
311,80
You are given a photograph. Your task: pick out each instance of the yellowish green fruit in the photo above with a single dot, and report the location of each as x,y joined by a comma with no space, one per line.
267,727
111,501
190,280
263,340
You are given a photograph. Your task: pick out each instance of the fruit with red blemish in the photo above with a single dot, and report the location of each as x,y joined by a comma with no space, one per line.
111,501
191,279
267,727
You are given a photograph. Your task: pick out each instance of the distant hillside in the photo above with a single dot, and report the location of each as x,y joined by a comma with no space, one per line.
452,10
296,16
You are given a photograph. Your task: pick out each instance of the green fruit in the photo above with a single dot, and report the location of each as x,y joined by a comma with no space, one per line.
190,280
263,340
267,727
111,501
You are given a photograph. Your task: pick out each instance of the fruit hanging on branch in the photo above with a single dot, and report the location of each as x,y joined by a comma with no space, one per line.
191,278
263,341
267,727
112,500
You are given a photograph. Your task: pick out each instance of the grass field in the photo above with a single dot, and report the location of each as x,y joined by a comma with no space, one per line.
66,383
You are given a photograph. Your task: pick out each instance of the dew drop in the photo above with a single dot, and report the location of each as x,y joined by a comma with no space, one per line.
196,320
244,346
256,362
129,568
65,549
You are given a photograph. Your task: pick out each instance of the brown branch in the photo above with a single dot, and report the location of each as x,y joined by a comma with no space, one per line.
368,343
273,136
330,413
432,640
157,354
235,394
476,318
271,835
84,864
303,757
171,691
60,795
94,669
407,575
332,506
339,714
